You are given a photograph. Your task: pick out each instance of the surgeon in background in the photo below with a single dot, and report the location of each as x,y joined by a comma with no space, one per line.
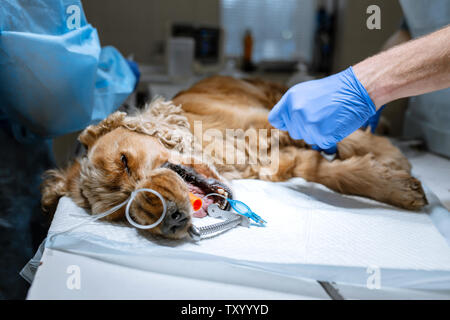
54,79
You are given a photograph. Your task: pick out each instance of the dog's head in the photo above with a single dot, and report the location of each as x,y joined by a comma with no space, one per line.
126,153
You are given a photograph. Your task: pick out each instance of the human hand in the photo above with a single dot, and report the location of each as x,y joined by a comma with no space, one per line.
323,112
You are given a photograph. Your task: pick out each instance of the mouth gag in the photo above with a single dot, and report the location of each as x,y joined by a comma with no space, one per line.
242,216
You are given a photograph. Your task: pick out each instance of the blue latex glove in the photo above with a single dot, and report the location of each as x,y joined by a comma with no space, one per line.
323,112
374,120
54,76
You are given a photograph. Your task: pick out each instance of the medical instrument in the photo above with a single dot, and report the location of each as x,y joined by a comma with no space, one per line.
241,208
242,217
231,220
196,202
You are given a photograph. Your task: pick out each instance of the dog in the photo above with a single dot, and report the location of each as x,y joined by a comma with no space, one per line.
154,149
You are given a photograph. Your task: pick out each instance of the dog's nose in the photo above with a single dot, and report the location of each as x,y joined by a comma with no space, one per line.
174,222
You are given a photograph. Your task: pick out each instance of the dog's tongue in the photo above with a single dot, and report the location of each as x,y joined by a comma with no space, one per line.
203,212
200,213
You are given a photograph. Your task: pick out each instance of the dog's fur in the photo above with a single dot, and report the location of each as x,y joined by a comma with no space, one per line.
367,165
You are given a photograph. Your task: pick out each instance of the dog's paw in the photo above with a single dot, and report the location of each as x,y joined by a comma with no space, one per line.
409,193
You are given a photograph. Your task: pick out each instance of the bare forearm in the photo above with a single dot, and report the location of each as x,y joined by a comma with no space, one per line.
416,67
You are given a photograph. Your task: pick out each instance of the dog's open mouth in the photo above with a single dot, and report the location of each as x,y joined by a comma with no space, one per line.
201,186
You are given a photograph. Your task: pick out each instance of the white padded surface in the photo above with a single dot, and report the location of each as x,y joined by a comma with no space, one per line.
307,224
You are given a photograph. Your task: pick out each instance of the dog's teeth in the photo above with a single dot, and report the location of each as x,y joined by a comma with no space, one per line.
220,191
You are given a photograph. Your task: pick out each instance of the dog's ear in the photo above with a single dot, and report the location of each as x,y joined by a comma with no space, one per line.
58,183
53,187
93,132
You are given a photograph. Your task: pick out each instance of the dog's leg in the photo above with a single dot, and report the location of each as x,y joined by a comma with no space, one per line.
362,142
358,175
358,143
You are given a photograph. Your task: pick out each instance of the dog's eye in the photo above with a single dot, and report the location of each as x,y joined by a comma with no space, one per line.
124,160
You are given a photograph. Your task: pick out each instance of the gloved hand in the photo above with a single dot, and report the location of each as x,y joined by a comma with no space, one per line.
373,120
323,112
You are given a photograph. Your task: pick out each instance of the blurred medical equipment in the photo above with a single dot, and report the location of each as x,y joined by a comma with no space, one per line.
180,57
208,45
301,75
324,37
247,48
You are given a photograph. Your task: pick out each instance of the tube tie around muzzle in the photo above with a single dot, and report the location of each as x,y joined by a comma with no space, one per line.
242,217
127,213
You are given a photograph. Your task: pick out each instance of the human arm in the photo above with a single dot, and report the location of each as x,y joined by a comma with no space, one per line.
416,67
323,112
